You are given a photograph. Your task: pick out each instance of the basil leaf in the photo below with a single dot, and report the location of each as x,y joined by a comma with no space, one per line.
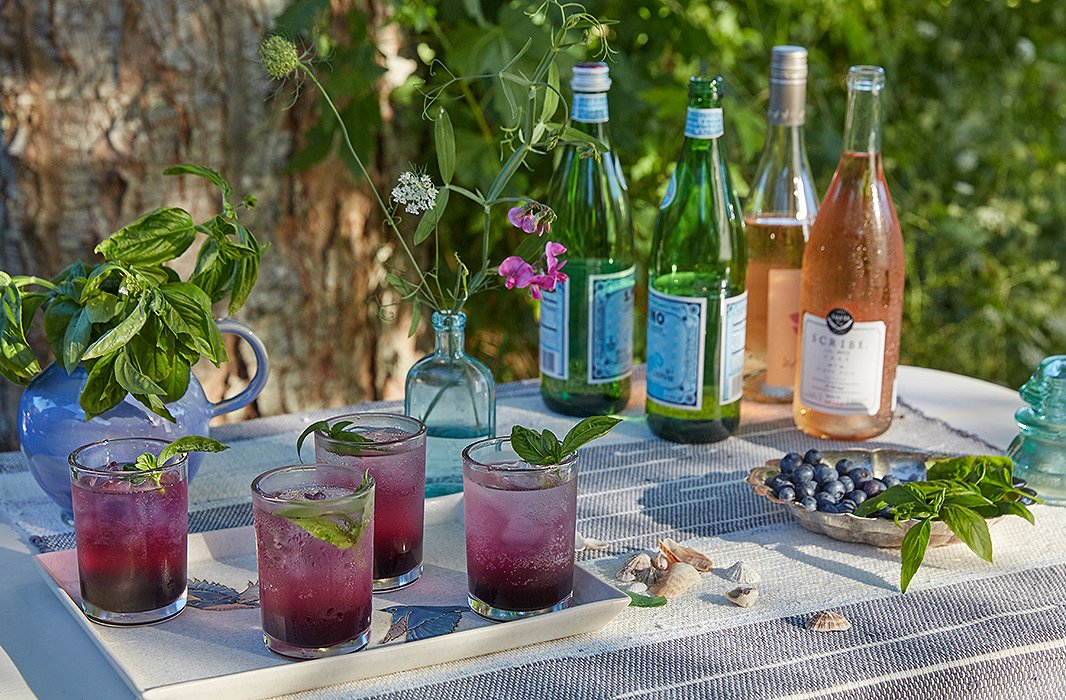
444,139
895,496
17,360
1015,508
120,335
971,528
208,174
588,430
187,312
132,379
912,552
102,307
101,392
639,600
190,443
146,462
156,237
319,425
527,445
341,531
76,340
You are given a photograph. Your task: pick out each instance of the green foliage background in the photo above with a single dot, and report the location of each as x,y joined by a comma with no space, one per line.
974,141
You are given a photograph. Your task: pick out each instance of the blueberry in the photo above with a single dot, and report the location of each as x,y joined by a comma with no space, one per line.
809,503
807,488
778,481
825,473
847,506
845,465
824,499
813,457
790,462
849,485
856,496
833,488
860,475
873,487
890,480
786,493
801,474
885,513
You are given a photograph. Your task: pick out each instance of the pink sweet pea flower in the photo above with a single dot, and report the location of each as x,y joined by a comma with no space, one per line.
515,216
516,273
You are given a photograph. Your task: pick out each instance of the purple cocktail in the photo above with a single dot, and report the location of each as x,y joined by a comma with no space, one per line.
314,531
520,523
393,449
131,528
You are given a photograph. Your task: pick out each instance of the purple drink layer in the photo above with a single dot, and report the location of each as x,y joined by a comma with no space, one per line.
400,481
132,541
520,544
313,594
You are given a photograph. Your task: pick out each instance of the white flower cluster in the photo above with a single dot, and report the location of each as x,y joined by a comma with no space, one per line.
415,192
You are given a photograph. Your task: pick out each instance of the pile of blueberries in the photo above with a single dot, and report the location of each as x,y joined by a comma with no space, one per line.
817,485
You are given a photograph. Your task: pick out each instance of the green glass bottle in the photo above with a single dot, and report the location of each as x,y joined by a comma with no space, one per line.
697,303
586,324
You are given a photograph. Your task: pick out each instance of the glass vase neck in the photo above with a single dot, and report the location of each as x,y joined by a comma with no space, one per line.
1045,392
862,129
449,330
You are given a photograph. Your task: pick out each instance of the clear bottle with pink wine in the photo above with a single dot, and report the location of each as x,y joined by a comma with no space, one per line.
780,212
851,292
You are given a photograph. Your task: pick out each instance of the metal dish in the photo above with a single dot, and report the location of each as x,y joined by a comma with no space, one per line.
908,466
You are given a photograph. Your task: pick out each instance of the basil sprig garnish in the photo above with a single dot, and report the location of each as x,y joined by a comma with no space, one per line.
148,462
962,492
341,527
354,443
545,449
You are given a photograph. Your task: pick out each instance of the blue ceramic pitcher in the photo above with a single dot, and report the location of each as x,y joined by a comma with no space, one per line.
52,423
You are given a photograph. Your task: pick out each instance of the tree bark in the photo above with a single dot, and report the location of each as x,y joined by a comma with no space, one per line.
96,98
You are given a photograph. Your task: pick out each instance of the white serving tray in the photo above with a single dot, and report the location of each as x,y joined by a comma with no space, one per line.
217,651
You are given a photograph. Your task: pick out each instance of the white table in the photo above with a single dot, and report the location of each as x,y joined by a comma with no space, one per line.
44,654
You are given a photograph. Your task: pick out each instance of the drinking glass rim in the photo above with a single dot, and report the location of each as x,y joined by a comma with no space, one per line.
360,491
176,461
568,461
320,434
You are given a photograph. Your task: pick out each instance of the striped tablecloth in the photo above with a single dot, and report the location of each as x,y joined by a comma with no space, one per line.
966,629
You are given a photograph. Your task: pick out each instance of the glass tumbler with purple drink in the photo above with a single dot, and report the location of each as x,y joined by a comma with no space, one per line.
393,448
131,524
520,521
314,532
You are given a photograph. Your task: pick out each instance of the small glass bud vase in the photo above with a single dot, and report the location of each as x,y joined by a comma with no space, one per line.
454,394
1039,451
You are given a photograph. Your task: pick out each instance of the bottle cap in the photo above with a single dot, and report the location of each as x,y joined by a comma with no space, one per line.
788,65
590,77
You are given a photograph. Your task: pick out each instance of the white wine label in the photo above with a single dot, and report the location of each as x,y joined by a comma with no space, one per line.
610,303
589,107
842,364
555,332
677,336
703,123
732,333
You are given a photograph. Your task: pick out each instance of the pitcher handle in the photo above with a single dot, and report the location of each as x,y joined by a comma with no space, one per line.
262,368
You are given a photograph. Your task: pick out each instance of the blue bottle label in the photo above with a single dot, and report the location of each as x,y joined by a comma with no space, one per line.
703,123
589,107
555,332
733,331
610,352
677,334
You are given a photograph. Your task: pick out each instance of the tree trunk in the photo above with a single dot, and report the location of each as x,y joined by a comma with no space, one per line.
97,98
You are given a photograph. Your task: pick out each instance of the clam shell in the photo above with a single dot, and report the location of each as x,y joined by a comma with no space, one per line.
829,621
679,578
660,561
638,587
741,572
634,565
676,552
743,596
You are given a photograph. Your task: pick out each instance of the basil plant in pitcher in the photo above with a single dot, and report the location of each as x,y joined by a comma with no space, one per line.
450,391
125,333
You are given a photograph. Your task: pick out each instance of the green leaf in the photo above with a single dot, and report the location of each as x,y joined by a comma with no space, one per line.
416,316
101,392
190,443
528,445
17,361
31,304
912,552
245,274
588,430
971,528
510,167
551,95
967,500
187,312
155,238
894,496
102,307
146,462
319,425
200,171
76,340
444,139
132,379
120,335
639,600
155,405
1015,508
341,527
431,218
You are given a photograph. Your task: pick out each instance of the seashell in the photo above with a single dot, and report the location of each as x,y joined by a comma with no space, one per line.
829,621
660,561
638,587
595,545
676,552
742,573
743,596
637,563
678,579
